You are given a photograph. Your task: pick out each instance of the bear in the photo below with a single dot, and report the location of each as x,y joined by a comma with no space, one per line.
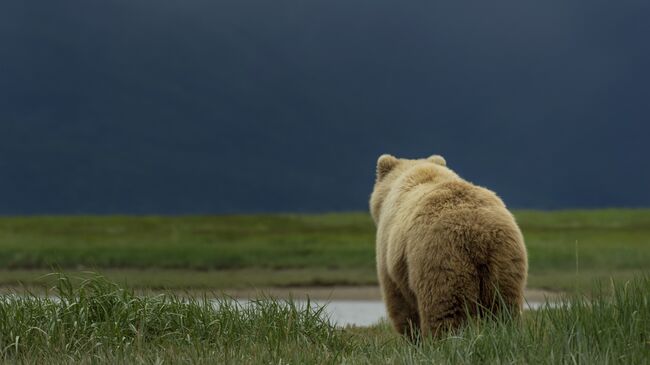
446,249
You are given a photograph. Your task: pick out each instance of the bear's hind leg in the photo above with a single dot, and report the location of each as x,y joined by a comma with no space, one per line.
503,286
403,315
445,298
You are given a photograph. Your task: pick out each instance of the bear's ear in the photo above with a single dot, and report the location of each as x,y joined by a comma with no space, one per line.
437,159
385,164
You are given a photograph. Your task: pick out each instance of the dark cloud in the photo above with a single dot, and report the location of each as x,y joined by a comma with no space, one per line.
248,105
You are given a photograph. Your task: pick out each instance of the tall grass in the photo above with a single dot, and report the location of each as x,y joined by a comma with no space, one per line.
601,329
100,322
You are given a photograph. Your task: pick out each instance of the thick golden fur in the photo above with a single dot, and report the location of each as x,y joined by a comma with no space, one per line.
444,246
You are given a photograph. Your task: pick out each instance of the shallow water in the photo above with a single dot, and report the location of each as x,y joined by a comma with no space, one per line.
343,313
361,313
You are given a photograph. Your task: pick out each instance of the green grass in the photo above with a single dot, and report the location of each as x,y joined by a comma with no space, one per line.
180,279
290,249
100,322
218,242
573,248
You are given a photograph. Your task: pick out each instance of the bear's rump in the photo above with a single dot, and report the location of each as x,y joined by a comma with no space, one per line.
472,243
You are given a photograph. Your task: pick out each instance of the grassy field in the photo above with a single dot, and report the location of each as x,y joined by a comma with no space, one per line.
566,248
100,322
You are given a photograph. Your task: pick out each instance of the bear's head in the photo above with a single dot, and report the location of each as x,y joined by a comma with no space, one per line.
389,169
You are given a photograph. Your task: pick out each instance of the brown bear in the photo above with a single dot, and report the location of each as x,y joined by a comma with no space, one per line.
446,248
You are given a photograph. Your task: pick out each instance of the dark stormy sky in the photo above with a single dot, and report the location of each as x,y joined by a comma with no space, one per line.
221,106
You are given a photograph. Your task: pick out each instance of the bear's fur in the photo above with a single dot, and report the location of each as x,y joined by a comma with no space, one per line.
445,247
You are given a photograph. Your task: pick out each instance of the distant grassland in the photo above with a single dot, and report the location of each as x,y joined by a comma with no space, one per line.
566,248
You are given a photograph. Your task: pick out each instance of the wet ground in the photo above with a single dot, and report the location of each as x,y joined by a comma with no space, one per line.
360,313
356,306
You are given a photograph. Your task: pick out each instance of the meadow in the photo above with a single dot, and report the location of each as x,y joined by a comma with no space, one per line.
97,321
567,249
91,318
